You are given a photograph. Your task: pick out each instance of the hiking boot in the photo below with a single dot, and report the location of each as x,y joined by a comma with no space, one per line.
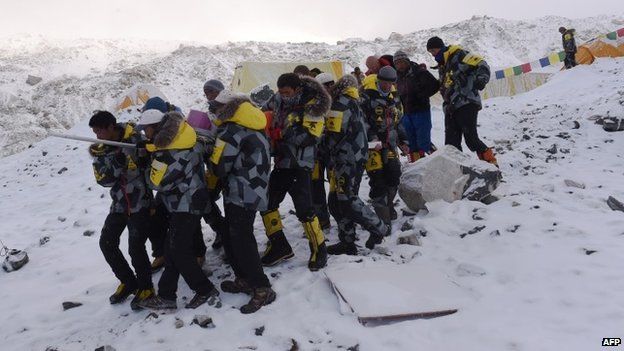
158,303
278,249
342,248
141,295
488,156
236,286
121,294
261,297
158,263
318,258
373,240
212,299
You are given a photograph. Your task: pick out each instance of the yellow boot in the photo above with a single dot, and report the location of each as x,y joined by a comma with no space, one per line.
318,249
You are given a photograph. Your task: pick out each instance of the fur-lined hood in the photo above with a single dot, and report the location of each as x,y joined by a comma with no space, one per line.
346,85
174,133
242,112
315,98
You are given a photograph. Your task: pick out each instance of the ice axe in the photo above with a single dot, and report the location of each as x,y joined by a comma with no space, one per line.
93,140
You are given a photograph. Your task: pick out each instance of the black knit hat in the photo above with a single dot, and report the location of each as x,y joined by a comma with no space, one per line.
435,43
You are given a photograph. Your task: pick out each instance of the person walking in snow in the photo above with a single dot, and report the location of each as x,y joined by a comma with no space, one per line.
569,46
415,86
462,76
296,127
120,170
242,161
347,146
177,175
382,109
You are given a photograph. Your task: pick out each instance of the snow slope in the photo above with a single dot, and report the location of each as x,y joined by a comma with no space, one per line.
529,277
83,75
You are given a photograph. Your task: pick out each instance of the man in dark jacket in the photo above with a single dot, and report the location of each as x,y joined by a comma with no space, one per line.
347,146
120,170
569,46
177,174
242,161
462,76
415,85
295,130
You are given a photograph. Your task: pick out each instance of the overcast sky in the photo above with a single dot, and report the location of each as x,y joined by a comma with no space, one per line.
268,20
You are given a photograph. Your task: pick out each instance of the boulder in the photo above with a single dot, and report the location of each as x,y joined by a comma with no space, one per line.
613,124
448,174
33,80
14,260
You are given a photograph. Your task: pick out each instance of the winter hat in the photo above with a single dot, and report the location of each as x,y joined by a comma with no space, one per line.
435,43
562,30
150,116
400,55
214,85
325,78
387,74
156,103
225,96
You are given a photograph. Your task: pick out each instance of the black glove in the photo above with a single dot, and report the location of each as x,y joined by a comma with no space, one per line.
97,150
141,154
479,84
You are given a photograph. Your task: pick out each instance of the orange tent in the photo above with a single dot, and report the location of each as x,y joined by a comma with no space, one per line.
599,47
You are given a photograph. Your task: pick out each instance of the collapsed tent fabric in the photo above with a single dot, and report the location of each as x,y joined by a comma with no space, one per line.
510,86
137,96
599,47
249,75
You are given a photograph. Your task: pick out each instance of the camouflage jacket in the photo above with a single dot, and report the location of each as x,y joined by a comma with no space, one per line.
345,134
301,125
177,168
117,168
462,75
383,117
241,157
569,43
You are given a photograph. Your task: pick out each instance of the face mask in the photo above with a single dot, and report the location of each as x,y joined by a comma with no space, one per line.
440,56
291,101
381,92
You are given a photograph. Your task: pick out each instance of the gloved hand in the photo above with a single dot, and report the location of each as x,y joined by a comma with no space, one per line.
97,150
275,134
141,154
479,84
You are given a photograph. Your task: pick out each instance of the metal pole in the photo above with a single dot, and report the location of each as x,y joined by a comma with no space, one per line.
93,140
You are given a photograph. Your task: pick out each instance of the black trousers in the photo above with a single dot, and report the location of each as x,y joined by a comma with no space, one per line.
570,60
297,183
384,182
463,122
159,223
138,228
319,195
180,257
240,244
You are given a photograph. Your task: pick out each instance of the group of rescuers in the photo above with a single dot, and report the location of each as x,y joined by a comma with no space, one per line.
254,156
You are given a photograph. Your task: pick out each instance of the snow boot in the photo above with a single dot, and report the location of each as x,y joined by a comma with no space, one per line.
141,295
158,303
236,286
318,248
158,263
261,297
122,293
384,214
278,249
212,299
342,248
488,156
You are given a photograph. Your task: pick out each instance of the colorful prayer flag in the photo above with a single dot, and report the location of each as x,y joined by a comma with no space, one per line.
526,68
612,36
509,72
517,70
620,32
554,59
544,62
499,74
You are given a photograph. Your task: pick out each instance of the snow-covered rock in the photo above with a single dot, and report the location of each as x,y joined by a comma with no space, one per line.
448,174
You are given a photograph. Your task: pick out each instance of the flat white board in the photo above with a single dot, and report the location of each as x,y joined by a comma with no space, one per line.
395,291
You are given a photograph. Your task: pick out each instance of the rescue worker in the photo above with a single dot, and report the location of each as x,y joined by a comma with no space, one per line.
177,174
119,169
242,161
569,47
383,111
462,76
415,86
297,124
347,146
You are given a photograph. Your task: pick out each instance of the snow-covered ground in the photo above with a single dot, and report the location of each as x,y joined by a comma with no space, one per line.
82,75
530,276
